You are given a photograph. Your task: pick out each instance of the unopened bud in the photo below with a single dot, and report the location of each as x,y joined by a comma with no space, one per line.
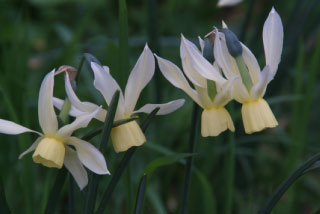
233,43
208,50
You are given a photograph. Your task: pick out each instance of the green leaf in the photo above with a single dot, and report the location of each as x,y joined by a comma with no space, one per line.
4,208
208,197
165,160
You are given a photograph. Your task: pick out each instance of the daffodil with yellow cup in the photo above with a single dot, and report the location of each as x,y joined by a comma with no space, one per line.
56,147
129,134
215,118
236,60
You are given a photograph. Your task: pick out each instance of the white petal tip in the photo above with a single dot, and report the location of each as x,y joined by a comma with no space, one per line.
224,25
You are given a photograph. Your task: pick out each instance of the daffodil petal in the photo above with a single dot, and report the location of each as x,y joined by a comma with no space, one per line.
196,67
58,103
47,116
226,3
224,95
75,167
80,122
104,82
89,156
83,106
258,90
240,92
31,148
165,108
203,96
175,76
139,77
251,63
9,127
201,42
223,58
273,40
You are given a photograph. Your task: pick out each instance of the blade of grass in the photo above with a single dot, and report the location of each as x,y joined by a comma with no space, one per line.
55,191
194,130
106,131
141,193
284,186
4,208
229,170
123,63
124,162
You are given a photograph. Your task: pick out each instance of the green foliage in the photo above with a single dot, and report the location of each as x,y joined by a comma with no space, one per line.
39,35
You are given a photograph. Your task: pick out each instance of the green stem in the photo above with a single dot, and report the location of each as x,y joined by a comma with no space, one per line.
106,132
64,113
229,170
55,192
284,186
194,130
244,72
140,195
124,162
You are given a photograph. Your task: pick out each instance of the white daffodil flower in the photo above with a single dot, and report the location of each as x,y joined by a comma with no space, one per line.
256,113
215,118
52,148
129,134
227,3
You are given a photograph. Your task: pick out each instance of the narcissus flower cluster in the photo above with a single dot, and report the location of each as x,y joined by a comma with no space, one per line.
56,147
244,82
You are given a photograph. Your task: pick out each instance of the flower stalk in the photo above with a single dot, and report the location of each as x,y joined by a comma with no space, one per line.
194,130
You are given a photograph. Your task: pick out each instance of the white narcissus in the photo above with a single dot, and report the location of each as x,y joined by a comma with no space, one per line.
227,3
215,118
256,113
52,148
129,134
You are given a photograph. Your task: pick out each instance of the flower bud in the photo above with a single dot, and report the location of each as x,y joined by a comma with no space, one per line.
233,43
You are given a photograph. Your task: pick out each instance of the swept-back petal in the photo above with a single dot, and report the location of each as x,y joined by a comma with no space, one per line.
240,92
251,63
226,3
201,42
196,67
175,76
8,127
31,148
104,82
224,95
165,108
273,40
139,77
223,58
203,96
80,122
258,90
74,112
75,167
83,106
47,116
89,156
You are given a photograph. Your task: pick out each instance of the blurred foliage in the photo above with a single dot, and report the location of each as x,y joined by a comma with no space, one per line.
39,35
